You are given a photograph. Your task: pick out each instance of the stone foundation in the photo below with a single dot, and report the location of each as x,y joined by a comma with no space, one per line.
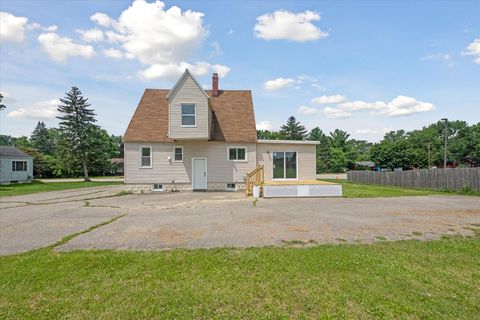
170,187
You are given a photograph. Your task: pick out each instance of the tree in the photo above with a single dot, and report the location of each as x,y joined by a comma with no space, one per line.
293,130
268,135
42,139
77,127
2,106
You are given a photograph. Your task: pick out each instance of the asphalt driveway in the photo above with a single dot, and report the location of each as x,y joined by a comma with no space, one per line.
206,220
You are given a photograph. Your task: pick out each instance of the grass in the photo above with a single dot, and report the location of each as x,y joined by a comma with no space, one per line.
37,186
357,190
386,280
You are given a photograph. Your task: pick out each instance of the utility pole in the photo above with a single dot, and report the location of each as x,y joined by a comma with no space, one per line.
445,147
429,156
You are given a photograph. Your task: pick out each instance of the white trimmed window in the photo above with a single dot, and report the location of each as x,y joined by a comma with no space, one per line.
189,115
145,157
177,154
19,165
231,186
237,153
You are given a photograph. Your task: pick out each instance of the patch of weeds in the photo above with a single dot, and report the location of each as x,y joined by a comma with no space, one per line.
74,235
121,193
476,229
341,240
417,233
381,238
298,242
254,202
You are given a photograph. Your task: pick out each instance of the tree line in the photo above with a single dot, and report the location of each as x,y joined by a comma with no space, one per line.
78,147
422,148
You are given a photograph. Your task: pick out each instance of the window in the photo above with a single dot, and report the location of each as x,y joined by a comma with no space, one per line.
178,154
284,165
157,187
189,115
19,165
231,186
237,153
145,157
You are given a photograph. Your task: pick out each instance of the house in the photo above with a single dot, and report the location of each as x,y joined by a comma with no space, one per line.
15,166
118,164
188,138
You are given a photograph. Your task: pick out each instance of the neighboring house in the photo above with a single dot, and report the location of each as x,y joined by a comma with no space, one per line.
189,138
15,166
118,165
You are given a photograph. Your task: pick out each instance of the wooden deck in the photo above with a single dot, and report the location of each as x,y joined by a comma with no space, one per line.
297,183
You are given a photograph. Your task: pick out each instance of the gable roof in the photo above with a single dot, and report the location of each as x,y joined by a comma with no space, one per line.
185,74
232,110
8,151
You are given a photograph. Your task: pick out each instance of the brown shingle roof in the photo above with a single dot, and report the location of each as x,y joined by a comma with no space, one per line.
233,117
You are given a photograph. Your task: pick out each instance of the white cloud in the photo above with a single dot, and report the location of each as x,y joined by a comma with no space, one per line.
446,58
402,106
12,28
51,28
318,86
334,113
216,49
289,26
329,99
361,105
473,49
60,48
102,19
155,35
264,125
372,131
278,83
91,35
307,110
113,53
174,70
163,39
39,110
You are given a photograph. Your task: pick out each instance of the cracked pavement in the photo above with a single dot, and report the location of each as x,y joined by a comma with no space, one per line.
218,219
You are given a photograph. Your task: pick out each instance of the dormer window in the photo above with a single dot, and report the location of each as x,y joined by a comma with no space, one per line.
189,115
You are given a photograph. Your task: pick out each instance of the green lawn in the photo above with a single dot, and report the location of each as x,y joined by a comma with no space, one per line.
386,280
356,190
36,186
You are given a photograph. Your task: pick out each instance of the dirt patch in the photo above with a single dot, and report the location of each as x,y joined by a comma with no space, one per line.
176,237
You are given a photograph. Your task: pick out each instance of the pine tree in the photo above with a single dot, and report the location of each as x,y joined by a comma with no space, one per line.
293,130
2,106
77,128
41,138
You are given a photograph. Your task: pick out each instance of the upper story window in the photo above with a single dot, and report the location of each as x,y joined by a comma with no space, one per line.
145,157
189,115
19,165
178,154
237,153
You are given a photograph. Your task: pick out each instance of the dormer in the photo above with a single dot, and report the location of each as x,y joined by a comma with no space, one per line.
189,112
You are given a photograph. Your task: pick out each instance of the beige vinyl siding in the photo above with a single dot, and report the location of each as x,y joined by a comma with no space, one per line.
188,92
220,169
306,162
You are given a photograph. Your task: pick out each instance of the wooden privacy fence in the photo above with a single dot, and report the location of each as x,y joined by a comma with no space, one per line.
436,179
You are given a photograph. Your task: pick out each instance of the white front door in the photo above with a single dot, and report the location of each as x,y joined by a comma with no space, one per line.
199,173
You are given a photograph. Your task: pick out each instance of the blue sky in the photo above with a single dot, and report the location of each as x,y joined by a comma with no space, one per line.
364,67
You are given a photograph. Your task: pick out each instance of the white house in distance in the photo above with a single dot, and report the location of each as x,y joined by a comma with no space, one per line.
15,166
188,138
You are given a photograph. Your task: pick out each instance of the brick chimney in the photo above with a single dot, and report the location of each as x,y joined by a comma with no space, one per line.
215,85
